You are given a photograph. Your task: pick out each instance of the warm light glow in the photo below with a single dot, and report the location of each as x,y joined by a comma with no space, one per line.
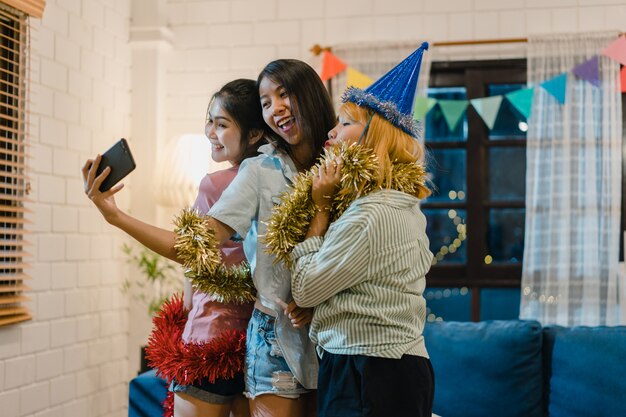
183,162
488,259
452,213
452,195
460,195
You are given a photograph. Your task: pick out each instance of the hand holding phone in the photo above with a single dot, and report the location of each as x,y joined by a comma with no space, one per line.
121,162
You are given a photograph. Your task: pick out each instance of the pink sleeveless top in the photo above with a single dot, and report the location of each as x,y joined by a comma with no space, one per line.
207,317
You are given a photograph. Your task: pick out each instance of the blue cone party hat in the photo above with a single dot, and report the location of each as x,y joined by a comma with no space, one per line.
393,95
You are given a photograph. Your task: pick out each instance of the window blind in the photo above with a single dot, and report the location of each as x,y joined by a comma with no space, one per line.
32,8
14,184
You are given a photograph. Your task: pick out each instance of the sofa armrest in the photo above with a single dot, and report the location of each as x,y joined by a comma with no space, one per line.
146,393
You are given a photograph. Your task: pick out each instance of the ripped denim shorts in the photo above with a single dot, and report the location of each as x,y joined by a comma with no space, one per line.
266,370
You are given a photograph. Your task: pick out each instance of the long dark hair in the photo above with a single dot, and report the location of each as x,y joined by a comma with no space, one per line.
240,99
310,102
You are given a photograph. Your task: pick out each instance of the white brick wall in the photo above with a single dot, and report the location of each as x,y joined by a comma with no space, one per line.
73,359
80,67
216,41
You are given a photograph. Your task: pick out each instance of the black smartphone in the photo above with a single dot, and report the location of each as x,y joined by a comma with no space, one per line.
121,161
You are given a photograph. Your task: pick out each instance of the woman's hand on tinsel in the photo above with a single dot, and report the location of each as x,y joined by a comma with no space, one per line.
326,180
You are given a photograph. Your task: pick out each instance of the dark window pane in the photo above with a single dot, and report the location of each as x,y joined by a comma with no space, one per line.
436,127
510,123
505,240
507,173
448,304
446,231
447,168
499,304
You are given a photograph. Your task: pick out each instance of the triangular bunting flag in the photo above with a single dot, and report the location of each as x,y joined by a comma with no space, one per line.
589,71
617,50
357,79
622,79
452,111
331,66
422,107
556,87
522,100
487,108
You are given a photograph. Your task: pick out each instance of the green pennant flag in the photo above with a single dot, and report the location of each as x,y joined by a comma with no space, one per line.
487,108
522,100
452,111
422,106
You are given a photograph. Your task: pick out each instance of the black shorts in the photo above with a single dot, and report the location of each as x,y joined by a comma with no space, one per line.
222,391
368,386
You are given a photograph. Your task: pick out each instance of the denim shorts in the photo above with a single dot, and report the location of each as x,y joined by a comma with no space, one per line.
222,391
266,370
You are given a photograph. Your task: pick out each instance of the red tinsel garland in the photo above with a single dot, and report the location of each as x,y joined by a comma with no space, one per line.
168,405
187,363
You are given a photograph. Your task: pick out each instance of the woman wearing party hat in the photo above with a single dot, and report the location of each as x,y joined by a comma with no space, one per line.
352,231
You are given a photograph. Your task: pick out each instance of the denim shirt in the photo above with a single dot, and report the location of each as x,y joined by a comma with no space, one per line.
245,206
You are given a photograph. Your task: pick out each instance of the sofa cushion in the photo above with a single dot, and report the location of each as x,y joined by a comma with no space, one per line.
491,368
585,368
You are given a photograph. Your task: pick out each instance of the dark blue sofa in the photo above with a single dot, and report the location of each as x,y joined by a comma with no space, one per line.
521,369
505,368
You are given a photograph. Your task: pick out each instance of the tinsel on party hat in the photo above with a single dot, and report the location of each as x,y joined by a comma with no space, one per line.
393,95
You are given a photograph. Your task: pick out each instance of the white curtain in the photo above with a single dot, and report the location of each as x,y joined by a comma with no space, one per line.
375,59
573,187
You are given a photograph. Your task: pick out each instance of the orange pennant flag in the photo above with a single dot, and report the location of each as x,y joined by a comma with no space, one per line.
622,79
331,66
617,50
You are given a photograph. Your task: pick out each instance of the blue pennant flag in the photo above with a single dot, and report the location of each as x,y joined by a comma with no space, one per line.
556,86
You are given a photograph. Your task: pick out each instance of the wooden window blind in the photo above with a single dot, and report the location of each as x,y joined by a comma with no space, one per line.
14,185
32,8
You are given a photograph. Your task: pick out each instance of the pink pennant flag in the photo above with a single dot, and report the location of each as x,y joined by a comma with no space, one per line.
617,50
622,79
331,66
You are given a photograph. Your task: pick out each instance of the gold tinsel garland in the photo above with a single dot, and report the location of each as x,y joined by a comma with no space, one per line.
228,284
290,220
196,247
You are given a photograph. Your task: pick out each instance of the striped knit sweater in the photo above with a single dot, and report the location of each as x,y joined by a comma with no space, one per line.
365,278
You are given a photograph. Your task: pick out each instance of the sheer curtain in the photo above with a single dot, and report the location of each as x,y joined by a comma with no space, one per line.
573,187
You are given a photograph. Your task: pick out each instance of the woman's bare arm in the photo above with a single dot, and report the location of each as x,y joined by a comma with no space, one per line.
155,238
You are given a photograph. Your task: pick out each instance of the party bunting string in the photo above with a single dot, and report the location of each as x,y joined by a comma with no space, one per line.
488,107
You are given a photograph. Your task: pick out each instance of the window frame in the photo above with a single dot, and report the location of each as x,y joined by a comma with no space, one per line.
475,76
